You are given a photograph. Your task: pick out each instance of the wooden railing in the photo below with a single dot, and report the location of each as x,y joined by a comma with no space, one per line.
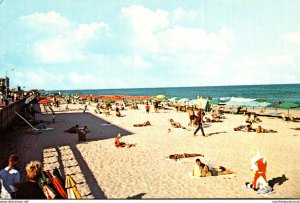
8,116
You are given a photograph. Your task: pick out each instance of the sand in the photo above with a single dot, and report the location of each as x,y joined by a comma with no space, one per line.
103,171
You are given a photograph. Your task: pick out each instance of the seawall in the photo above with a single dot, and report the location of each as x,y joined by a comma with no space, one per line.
8,116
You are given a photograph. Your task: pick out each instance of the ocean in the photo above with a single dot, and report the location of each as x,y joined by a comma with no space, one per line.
270,93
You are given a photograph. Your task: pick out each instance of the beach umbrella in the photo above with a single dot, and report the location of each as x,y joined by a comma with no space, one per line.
45,101
264,104
183,100
215,101
160,97
108,101
71,188
173,99
288,106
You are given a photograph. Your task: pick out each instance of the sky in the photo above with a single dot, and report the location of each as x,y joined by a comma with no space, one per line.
107,44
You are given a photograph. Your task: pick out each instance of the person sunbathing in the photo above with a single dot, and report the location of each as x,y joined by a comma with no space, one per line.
256,119
203,170
212,119
142,124
73,129
184,155
249,119
246,128
262,130
118,143
175,124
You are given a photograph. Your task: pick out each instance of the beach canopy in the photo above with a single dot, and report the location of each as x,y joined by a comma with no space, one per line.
71,188
288,106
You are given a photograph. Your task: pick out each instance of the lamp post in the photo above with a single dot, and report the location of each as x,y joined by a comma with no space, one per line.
6,81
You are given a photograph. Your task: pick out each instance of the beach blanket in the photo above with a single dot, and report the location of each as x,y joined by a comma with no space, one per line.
265,191
46,129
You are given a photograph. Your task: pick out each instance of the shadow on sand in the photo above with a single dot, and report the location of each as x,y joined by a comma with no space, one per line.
278,180
138,196
57,139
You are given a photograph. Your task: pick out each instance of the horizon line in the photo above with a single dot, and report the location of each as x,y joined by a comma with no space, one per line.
169,87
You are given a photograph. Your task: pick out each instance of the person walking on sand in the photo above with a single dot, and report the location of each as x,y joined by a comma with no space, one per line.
199,122
10,175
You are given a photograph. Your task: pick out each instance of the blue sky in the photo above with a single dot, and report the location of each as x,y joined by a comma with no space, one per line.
97,44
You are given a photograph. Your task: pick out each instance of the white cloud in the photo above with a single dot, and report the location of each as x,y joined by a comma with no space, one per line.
51,22
180,14
67,43
67,46
135,62
144,23
292,37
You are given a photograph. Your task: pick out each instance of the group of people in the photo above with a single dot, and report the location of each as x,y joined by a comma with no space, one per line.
82,132
248,127
12,188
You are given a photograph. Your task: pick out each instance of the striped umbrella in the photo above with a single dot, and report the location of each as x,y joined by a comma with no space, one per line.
71,188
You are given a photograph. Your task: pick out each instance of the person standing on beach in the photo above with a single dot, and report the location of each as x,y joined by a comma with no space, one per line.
10,175
199,122
85,109
147,108
191,113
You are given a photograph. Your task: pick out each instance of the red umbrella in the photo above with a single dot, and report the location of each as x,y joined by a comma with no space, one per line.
45,101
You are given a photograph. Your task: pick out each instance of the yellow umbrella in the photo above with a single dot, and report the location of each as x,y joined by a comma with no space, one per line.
71,188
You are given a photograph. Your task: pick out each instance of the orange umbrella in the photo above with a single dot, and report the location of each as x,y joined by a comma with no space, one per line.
45,101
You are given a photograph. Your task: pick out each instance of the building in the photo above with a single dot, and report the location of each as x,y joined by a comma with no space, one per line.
4,82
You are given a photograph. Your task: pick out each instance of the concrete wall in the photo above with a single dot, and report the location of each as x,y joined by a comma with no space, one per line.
8,116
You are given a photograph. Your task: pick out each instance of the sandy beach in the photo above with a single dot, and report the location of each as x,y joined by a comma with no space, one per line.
103,171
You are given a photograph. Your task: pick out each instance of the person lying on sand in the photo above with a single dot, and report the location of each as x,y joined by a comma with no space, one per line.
41,125
176,124
262,130
256,119
73,129
142,124
122,144
247,128
211,119
184,155
203,170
